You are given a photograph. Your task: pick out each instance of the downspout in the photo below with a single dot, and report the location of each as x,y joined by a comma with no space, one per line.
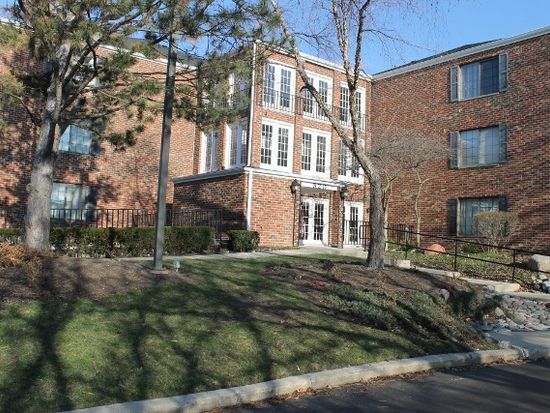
249,141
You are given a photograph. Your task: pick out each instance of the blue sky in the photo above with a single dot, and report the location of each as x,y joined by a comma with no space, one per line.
456,23
453,23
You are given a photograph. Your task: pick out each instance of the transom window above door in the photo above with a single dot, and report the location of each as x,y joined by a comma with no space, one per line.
279,86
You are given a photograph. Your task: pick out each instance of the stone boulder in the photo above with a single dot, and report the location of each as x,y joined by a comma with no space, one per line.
539,262
434,249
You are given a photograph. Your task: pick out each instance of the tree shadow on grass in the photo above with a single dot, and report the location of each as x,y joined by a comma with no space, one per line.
227,326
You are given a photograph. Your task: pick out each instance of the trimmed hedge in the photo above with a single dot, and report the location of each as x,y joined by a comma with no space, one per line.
241,240
122,242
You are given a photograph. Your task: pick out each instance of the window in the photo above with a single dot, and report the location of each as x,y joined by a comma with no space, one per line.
76,140
348,166
237,152
308,100
478,147
479,78
278,87
315,147
310,106
70,201
209,147
353,220
468,208
239,91
276,148
345,110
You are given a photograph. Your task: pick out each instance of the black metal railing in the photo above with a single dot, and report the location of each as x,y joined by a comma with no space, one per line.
305,106
122,218
457,244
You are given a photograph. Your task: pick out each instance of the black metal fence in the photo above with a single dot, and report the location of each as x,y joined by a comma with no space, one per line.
358,232
122,218
402,236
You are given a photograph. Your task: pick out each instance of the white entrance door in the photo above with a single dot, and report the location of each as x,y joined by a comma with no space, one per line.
353,217
314,221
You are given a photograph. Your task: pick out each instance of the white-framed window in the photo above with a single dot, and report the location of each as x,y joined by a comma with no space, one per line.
69,201
76,140
310,107
236,145
315,153
279,86
349,168
479,78
209,147
314,221
276,145
479,147
353,220
345,105
239,89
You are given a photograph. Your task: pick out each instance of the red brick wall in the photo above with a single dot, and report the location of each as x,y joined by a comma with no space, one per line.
125,179
225,193
420,100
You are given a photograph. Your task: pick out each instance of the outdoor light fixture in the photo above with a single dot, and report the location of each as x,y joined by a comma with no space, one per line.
294,186
344,192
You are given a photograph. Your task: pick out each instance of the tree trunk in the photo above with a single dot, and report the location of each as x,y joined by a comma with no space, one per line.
37,219
377,244
417,207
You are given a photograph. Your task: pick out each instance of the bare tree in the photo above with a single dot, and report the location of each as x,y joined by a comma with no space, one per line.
349,18
398,153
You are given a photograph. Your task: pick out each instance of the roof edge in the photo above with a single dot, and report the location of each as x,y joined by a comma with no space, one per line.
462,53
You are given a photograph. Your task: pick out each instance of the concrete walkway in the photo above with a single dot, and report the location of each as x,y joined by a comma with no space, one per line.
302,251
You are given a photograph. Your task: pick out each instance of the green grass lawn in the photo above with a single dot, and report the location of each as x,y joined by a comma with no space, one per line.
469,266
227,326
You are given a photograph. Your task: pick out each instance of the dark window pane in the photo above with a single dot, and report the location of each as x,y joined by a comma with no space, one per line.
489,76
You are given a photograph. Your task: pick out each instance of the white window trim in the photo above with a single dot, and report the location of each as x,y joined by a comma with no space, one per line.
242,126
274,145
330,98
213,161
360,218
277,87
362,104
314,134
347,177
311,224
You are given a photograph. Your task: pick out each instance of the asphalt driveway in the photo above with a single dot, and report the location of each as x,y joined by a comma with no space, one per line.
507,388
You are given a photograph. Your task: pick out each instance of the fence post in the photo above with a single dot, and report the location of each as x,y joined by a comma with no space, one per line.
456,254
513,265
406,241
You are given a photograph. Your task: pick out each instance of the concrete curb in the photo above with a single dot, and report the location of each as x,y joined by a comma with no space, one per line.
217,399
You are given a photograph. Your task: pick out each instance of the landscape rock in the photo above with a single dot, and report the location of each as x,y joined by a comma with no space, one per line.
443,293
539,262
435,249
499,313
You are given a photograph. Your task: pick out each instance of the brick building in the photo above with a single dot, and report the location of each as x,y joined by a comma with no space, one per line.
88,174
491,103
281,170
